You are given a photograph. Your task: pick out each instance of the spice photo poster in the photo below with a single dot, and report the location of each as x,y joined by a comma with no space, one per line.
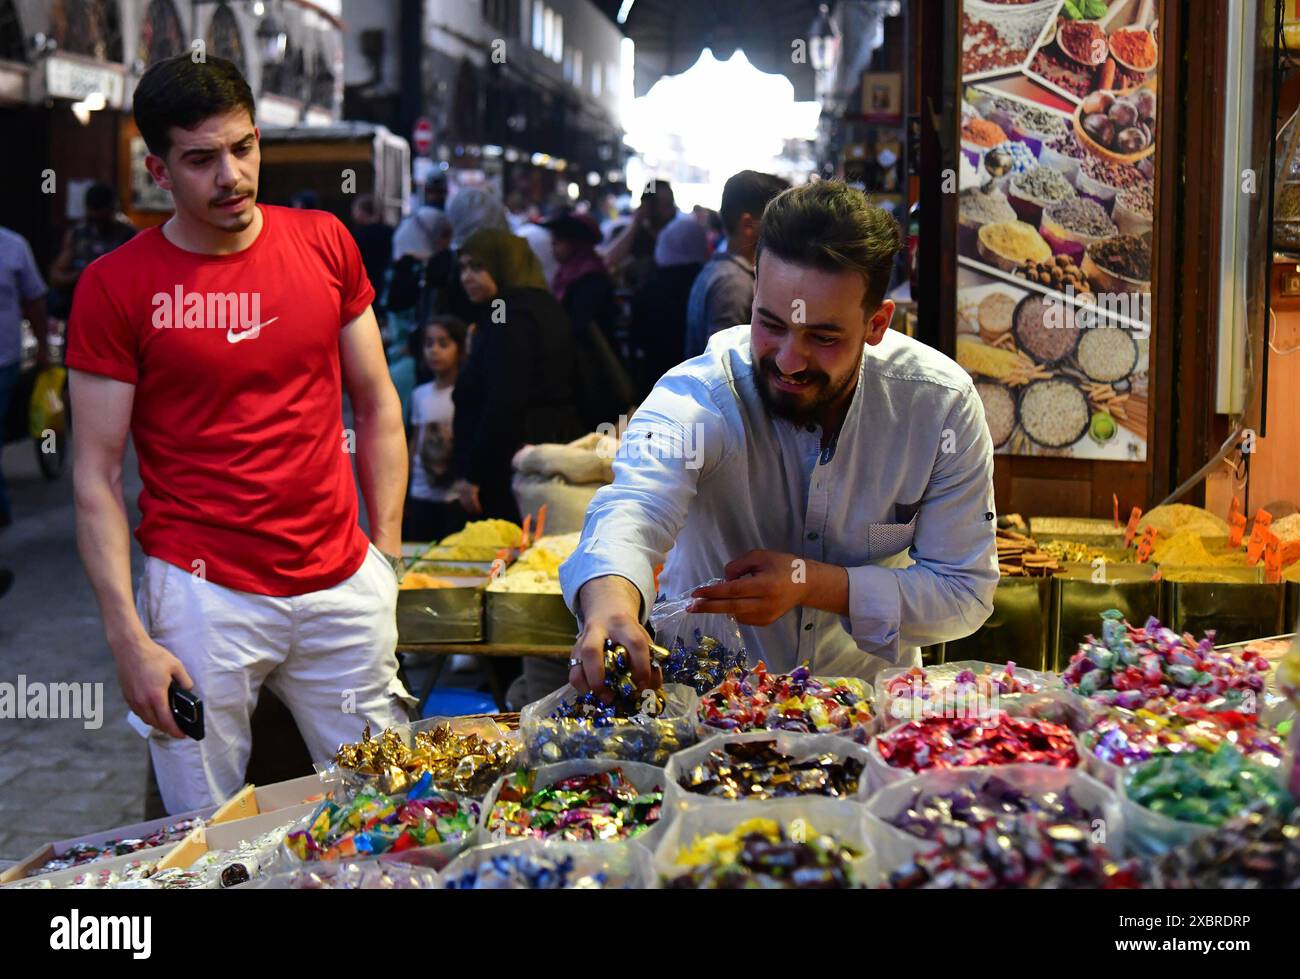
1058,139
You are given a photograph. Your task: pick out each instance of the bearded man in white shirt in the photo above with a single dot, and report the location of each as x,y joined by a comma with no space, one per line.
837,474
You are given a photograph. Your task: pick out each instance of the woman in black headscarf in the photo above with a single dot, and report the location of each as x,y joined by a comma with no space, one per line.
518,385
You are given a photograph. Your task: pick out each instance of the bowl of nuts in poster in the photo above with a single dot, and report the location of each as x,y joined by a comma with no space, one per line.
1118,125
1120,264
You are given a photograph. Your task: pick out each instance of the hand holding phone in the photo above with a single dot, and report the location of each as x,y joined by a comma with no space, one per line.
187,710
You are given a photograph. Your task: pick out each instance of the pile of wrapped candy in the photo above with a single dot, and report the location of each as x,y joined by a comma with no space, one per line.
1028,853
466,763
960,742
917,693
375,822
944,817
80,853
759,770
635,726
133,874
1134,667
1130,737
763,854
1207,787
594,806
1259,848
516,871
756,700
703,664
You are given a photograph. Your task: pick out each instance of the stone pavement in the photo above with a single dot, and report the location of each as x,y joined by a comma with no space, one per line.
58,779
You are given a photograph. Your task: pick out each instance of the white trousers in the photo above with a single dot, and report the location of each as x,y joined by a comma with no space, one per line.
330,655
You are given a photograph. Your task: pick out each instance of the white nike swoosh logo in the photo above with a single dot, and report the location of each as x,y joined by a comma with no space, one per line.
250,333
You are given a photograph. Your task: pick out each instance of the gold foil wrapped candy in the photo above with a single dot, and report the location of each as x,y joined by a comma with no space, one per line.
466,763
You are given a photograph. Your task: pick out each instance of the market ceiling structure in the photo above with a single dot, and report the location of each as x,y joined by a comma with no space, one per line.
670,34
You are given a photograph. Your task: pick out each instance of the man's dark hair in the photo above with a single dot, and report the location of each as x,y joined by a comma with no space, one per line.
748,192
180,92
830,226
100,197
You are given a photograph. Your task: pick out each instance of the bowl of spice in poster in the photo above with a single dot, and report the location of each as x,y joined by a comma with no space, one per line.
1134,209
976,208
1044,328
1072,225
1053,413
1007,244
1036,189
1120,264
1135,48
1035,125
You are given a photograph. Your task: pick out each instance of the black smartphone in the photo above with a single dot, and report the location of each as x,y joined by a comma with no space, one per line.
187,710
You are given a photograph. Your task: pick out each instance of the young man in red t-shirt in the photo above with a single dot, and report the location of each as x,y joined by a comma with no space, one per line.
221,342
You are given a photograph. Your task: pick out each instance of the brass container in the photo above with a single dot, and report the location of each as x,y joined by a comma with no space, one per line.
1077,602
1239,607
433,615
526,619
1017,629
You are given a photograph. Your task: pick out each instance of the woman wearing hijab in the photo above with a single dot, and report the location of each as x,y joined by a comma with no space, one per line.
470,210
518,384
659,306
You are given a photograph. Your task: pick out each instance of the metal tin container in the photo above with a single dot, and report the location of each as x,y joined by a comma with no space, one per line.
528,619
434,615
1017,629
1236,608
1078,600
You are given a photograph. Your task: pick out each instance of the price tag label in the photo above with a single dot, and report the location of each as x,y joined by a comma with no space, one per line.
1236,528
1263,518
1272,557
1255,546
1146,545
1131,530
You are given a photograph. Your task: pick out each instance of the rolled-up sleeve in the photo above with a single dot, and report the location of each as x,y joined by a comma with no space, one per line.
948,592
671,442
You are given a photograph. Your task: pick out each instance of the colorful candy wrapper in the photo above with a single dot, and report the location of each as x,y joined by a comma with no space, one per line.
373,822
953,688
910,816
1256,849
462,757
528,864
755,700
588,800
767,764
1154,666
962,742
805,842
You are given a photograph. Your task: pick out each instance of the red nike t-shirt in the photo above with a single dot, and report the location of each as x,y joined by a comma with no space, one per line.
237,419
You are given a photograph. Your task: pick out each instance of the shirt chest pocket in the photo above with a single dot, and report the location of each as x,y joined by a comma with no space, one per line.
892,537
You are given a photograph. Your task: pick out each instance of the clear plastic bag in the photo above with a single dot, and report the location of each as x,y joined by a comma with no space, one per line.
1053,706
844,821
702,646
796,745
1151,834
646,778
369,875
896,847
897,702
606,866
651,740
860,733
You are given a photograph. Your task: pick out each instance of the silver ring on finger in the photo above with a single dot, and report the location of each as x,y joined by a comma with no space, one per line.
574,662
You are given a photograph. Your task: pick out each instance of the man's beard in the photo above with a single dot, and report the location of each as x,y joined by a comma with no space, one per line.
799,408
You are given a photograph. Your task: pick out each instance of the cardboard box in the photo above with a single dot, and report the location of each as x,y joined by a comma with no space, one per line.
38,858
254,801
227,836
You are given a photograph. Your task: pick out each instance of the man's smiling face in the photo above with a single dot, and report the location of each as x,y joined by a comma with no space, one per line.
807,335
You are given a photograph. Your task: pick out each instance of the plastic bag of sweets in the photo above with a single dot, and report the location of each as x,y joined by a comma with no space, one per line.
583,800
756,700
1174,799
806,842
528,864
970,740
908,694
1119,739
1134,667
373,822
463,755
371,875
752,765
1256,849
640,725
1031,853
702,647
910,816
